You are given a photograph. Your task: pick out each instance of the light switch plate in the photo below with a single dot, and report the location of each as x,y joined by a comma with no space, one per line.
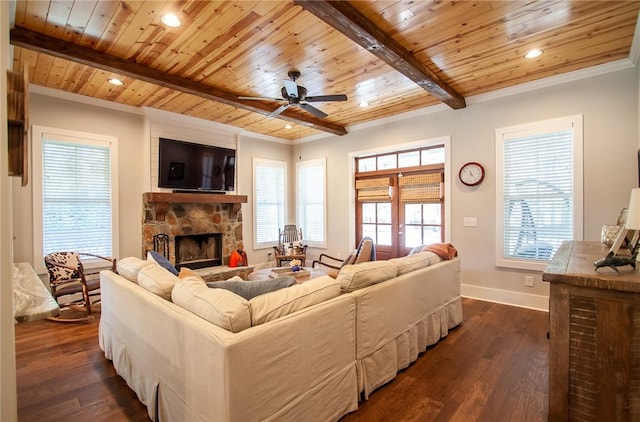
470,222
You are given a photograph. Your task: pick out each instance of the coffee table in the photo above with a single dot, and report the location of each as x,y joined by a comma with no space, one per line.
306,274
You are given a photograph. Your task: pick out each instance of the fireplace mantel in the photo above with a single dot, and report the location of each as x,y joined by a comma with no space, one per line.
163,199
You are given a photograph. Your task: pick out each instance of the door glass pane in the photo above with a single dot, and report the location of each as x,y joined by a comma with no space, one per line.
432,214
384,235
433,156
408,159
432,234
387,162
368,213
369,230
367,164
413,213
384,213
412,236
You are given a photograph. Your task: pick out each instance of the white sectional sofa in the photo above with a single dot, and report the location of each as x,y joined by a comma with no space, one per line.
306,352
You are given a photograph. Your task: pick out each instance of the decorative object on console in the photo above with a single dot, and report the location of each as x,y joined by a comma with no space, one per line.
609,234
631,226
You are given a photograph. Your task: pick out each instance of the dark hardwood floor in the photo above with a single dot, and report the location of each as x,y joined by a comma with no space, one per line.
494,367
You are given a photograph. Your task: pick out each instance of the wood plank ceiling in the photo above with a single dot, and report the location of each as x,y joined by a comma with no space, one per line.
227,49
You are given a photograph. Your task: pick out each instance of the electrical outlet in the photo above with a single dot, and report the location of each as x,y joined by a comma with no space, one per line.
528,281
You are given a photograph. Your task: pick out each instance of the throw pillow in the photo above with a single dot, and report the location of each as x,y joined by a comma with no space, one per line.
188,272
129,267
157,280
251,289
162,261
218,306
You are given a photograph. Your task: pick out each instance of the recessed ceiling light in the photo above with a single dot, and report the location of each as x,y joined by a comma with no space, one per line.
364,104
115,81
532,54
171,20
288,126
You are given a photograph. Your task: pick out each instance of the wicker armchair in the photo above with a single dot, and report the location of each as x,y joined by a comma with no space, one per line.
290,245
366,251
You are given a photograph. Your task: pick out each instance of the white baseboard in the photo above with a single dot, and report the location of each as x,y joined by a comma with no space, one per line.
506,297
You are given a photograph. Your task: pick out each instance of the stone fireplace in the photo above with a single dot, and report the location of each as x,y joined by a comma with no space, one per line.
202,229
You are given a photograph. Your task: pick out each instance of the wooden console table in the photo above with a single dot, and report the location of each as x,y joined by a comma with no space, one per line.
594,324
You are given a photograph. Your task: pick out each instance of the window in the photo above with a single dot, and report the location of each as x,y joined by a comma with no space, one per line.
270,201
75,193
311,180
539,190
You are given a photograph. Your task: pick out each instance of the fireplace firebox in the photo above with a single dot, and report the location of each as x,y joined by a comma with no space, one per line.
198,250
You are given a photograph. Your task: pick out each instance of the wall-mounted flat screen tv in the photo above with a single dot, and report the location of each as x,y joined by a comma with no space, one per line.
189,166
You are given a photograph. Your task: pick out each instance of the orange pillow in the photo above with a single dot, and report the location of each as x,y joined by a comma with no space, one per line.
186,272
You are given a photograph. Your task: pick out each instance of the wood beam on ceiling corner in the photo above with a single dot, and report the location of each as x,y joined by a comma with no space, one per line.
41,43
345,18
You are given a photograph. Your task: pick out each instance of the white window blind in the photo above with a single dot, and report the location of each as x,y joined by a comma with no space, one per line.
540,191
74,193
311,215
76,198
269,200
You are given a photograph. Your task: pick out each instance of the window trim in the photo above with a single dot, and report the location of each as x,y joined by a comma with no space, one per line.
322,162
85,138
270,163
541,126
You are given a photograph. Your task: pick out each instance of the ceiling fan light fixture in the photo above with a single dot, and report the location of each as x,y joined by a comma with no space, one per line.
533,53
115,81
171,20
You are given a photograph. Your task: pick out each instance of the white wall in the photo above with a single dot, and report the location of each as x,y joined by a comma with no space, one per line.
609,104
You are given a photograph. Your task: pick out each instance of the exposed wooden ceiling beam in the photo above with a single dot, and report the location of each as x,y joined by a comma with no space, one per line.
66,50
345,18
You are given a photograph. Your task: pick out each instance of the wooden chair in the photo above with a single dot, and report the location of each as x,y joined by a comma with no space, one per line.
366,251
290,245
68,278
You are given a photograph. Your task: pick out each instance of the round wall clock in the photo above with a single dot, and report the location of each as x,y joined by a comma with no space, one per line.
471,174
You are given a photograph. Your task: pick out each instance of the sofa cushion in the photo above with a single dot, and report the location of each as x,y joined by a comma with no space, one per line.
129,267
251,289
218,306
162,261
157,280
276,304
357,276
410,263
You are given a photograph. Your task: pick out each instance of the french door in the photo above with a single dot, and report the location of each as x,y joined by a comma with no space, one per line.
400,208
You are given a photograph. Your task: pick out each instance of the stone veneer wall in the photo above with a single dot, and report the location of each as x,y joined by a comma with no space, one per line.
192,218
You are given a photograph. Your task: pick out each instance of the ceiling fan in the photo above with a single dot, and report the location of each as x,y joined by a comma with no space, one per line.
296,95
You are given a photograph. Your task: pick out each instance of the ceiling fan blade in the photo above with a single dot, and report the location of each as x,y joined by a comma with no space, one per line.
316,98
279,110
311,109
261,98
291,88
